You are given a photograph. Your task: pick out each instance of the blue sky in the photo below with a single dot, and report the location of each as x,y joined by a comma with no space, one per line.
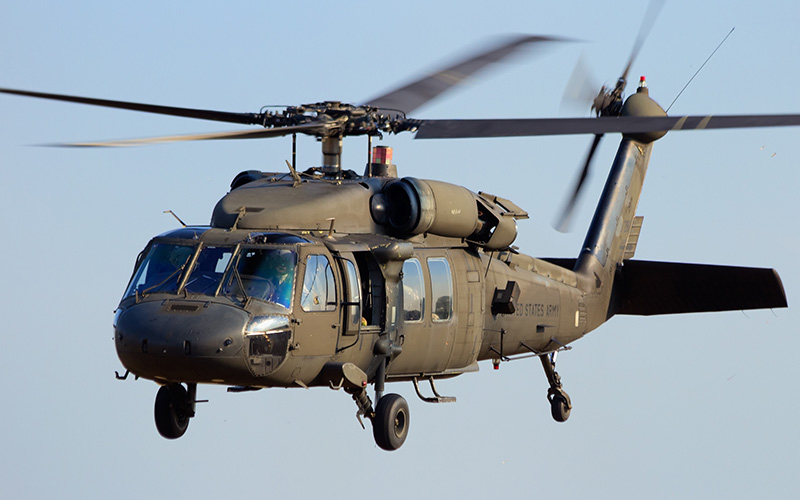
697,406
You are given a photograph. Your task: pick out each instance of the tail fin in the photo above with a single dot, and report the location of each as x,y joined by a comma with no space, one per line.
604,247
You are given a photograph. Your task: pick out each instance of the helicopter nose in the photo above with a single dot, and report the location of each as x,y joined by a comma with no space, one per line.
182,341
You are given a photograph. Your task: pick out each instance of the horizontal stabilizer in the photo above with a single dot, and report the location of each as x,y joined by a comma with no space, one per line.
647,288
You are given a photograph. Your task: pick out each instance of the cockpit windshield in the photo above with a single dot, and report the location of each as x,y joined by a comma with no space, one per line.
251,272
209,269
161,269
263,273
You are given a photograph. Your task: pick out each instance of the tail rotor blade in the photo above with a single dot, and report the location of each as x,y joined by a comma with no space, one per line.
581,87
653,9
562,224
609,101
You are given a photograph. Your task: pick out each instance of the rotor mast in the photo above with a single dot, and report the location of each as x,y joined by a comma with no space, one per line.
332,154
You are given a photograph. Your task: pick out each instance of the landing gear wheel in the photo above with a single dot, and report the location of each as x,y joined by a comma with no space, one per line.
560,406
390,423
172,411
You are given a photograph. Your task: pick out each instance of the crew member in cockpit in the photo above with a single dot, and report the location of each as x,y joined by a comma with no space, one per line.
167,270
282,267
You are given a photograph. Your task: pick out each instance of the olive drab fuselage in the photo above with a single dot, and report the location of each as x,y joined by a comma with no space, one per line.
431,296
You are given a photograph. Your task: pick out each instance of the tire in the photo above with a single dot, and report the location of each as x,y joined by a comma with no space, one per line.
559,408
172,411
390,424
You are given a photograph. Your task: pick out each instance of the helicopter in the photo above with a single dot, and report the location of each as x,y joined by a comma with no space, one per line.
328,277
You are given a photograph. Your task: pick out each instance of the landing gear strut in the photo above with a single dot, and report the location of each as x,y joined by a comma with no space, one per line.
390,418
560,404
173,409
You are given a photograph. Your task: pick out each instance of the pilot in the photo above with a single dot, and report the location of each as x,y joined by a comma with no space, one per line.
174,262
164,268
282,277
179,255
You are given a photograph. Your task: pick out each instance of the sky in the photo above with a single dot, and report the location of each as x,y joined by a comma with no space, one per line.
684,406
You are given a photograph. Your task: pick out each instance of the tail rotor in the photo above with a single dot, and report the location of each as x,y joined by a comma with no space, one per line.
607,103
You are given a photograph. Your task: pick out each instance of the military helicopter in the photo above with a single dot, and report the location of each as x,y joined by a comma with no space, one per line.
328,277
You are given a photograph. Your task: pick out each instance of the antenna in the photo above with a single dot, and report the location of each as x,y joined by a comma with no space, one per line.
294,173
701,67
173,214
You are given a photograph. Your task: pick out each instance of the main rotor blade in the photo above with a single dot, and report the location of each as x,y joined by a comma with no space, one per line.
203,114
312,128
562,223
415,94
521,127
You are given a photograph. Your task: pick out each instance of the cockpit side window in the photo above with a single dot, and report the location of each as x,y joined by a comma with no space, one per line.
319,287
160,269
413,291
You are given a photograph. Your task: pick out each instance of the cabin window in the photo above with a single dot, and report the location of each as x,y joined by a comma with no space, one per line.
413,291
319,288
441,289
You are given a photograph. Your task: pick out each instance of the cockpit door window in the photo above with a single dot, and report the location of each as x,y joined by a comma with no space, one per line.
319,287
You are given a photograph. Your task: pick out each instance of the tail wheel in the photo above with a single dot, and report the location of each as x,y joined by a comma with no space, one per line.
390,423
172,411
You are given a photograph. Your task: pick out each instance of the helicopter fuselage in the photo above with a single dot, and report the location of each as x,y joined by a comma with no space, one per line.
433,298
